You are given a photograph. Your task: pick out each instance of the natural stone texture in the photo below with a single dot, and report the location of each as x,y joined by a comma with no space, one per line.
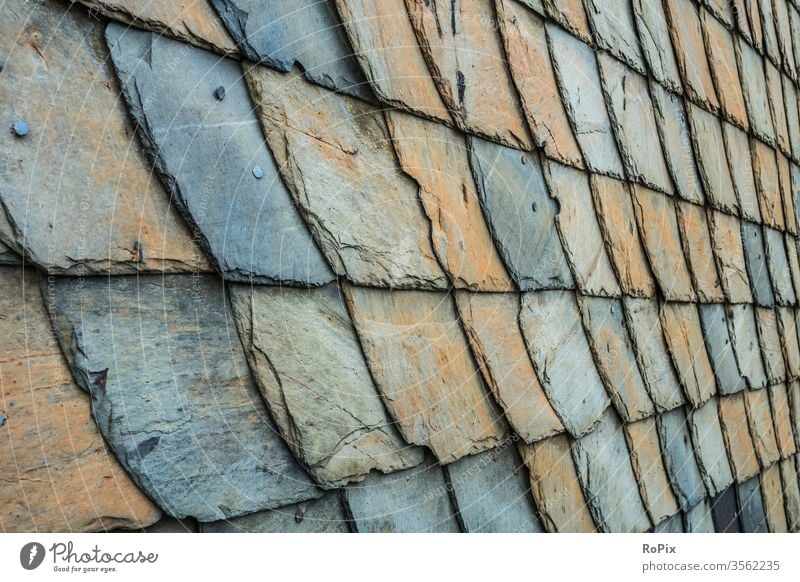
778,265
684,336
655,363
672,525
577,72
741,22
754,18
756,260
475,85
754,87
709,448
339,165
525,43
781,416
772,494
557,344
521,215
720,349
744,337
613,353
568,13
490,322
736,431
555,486
699,519
770,344
741,167
283,34
726,238
768,28
725,511
656,44
794,259
385,46
172,395
651,473
776,107
788,193
436,158
492,492
170,525
658,225
693,225
794,24
783,30
791,492
419,358
722,9
77,195
414,500
57,472
615,30
323,515
7,255
631,114
673,127
789,341
580,232
759,418
203,146
794,401
751,507
684,475
792,116
687,38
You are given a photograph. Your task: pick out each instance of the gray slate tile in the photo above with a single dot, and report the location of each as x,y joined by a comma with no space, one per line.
672,525
720,349
756,259
709,448
744,335
699,519
656,43
778,266
751,506
615,30
676,444
725,511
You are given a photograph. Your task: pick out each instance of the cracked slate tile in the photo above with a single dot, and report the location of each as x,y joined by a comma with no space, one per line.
726,238
778,266
738,441
520,214
336,156
788,194
578,76
676,445
658,225
283,34
552,328
201,145
791,493
762,430
744,337
656,44
113,216
720,349
725,512
789,341
490,321
772,494
672,525
172,395
525,42
792,116
413,500
777,108
781,416
751,506
59,475
709,448
555,486
756,259
770,343
615,30
699,518
693,226
740,163
579,231
570,14
492,492
385,46
421,363
754,87
476,86
308,365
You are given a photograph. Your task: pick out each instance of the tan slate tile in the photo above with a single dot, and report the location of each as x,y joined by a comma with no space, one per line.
754,87
771,48
740,163
789,341
770,343
693,225
656,44
793,187
424,371
722,61
791,492
571,15
336,157
525,42
726,239
720,348
679,458
736,431
555,486
788,194
762,430
794,25
741,23
744,336
475,85
777,108
491,323
772,493
699,519
778,266
615,30
783,29
781,416
794,412
709,448
754,19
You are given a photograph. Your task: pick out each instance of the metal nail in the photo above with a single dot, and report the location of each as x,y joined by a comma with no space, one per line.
219,93
20,128
258,172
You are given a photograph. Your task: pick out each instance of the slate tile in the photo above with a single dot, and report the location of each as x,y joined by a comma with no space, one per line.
793,258
744,337
538,5
778,266
754,87
722,9
762,430
491,323
781,416
492,492
768,29
615,30
172,395
655,213
651,22
794,24
475,86
693,225
555,486
580,231
776,106
559,350
720,349
741,167
577,73
709,448
655,363
525,43
309,368
722,62
756,260
789,341
725,511
676,445
385,46
337,160
699,519
201,145
784,33
751,507
7,255
770,343
794,402
651,473
792,115
772,494
788,194
113,216
570,14
58,473
736,432
170,525
413,500
726,239
754,18
422,366
741,23
634,124
436,158
791,493
289,33
672,525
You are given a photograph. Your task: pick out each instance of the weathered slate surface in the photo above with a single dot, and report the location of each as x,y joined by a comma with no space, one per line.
754,87
339,165
788,192
794,401
172,395
551,325
770,343
768,30
577,73
725,512
776,106
555,486
751,507
722,62
720,349
738,441
615,31
684,335
778,266
709,448
756,260
759,418
286,33
672,525
726,239
794,260
78,195
781,416
792,116
492,492
741,165
765,170
58,474
699,519
744,336
436,158
203,146
568,13
789,341
422,366
308,365
791,493
655,42
676,445
414,500
490,322
7,255
772,495
521,215
698,250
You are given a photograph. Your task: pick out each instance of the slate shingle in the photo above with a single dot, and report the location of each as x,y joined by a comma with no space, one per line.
776,106
789,341
744,336
781,416
726,239
615,30
751,506
693,225
725,512
770,343
699,518
759,417
738,441
651,22
720,349
740,162
756,260
778,267
754,88
709,448
570,14
676,446
772,494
